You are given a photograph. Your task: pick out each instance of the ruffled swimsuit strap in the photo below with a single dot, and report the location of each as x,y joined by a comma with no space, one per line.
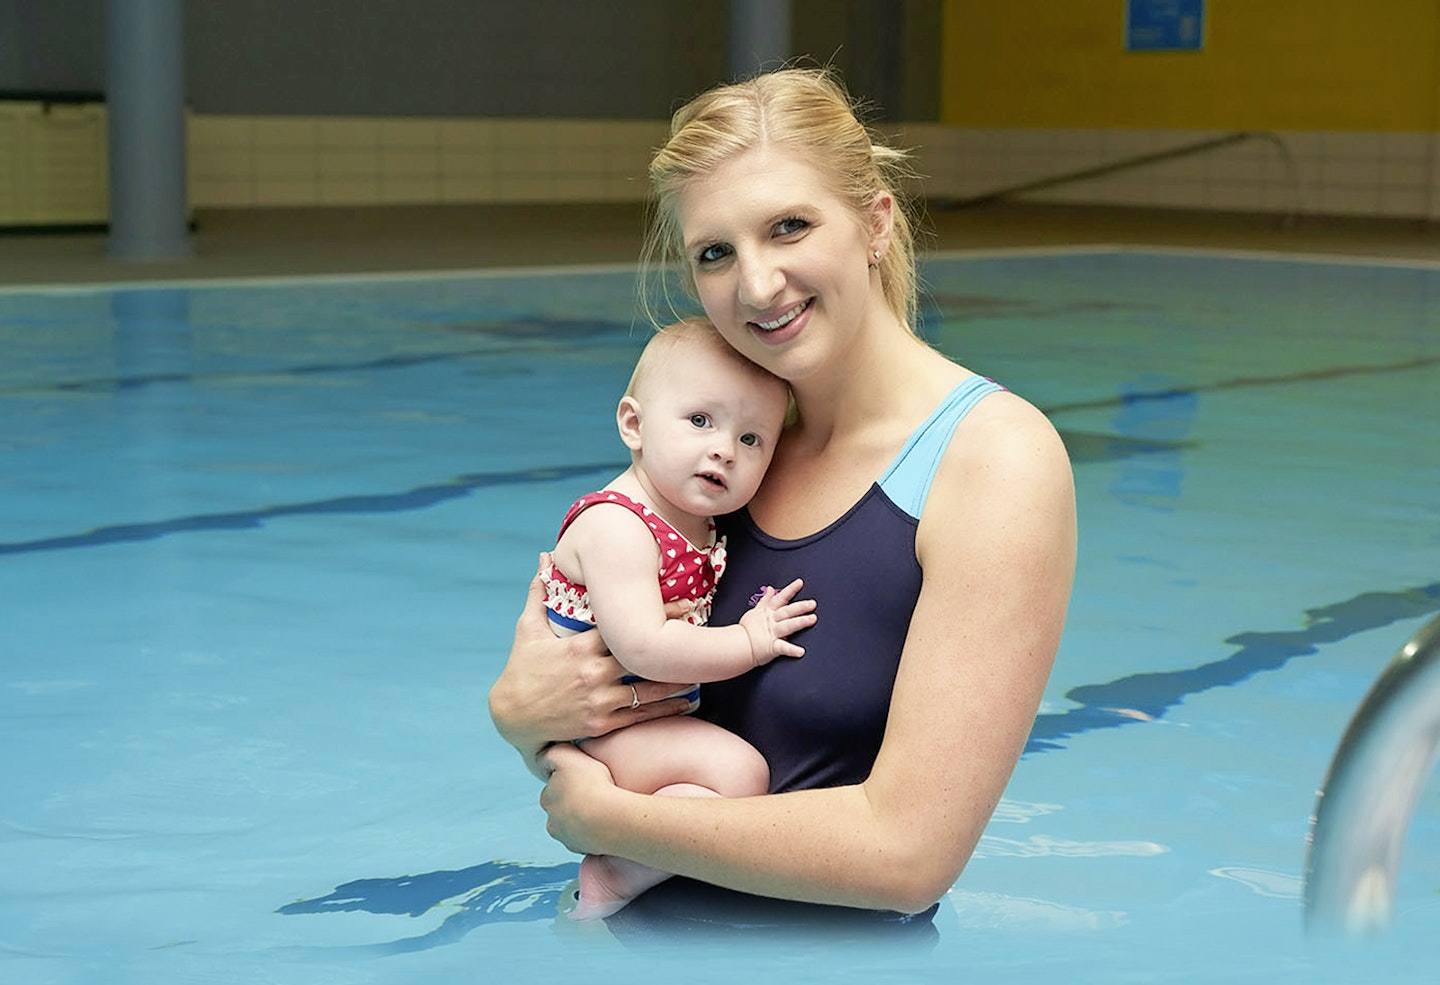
686,571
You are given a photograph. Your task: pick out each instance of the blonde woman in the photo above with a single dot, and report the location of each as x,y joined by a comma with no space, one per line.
929,511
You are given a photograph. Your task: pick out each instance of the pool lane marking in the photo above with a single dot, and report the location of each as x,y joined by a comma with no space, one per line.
1241,382
137,381
418,498
1148,696
1084,448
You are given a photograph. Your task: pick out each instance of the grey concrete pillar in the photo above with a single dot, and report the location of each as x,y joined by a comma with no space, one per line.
759,36
145,97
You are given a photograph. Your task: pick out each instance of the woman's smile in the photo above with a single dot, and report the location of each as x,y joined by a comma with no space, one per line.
783,319
779,329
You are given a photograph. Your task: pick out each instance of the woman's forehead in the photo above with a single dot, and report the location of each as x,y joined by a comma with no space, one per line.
753,186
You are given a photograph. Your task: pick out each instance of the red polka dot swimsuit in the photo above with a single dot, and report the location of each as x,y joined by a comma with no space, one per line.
686,571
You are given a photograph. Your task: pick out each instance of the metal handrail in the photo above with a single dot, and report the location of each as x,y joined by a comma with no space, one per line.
1139,160
1364,807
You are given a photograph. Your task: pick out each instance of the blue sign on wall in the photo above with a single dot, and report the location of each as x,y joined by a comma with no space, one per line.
1164,25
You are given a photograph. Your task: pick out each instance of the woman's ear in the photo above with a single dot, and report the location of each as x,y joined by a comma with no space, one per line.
882,223
627,418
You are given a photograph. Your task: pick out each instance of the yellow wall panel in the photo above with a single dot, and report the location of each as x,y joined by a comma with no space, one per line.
1266,64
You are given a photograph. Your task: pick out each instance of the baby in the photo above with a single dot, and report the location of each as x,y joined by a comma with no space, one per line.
701,423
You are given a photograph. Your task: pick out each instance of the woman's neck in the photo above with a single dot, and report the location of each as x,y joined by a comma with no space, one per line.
867,387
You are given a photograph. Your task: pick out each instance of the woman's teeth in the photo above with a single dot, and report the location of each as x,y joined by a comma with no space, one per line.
784,319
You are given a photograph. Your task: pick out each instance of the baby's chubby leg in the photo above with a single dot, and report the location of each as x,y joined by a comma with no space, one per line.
653,755
669,757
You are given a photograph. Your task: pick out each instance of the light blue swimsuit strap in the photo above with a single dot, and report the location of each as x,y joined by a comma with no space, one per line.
907,481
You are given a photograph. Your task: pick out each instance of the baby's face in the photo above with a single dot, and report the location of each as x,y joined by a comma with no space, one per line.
708,431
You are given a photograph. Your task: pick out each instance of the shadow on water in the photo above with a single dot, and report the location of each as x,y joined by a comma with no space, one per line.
489,893
512,892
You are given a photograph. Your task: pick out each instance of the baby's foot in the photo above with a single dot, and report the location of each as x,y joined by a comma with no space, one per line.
596,900
608,883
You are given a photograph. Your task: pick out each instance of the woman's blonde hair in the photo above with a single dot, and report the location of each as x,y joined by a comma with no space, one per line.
801,109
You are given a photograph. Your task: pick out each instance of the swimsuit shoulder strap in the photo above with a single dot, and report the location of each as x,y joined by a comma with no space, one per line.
658,525
652,519
907,481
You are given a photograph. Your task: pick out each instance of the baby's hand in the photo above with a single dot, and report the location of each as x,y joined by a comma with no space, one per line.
774,617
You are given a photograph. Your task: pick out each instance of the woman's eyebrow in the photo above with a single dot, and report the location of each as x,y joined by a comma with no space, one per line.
799,209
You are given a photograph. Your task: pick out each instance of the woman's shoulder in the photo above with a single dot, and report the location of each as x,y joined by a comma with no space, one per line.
1007,451
995,423
1007,425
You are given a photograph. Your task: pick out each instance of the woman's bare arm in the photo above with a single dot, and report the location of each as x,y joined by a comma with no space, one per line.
997,544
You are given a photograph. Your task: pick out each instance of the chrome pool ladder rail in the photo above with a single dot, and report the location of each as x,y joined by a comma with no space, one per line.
1364,808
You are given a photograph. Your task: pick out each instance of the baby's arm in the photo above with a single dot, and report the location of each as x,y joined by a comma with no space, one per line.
613,553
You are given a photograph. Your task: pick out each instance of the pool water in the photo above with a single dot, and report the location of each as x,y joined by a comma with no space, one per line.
262,546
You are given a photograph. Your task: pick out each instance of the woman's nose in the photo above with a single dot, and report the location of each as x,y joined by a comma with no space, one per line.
760,282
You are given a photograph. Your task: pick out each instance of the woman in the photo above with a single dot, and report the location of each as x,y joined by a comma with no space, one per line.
930,513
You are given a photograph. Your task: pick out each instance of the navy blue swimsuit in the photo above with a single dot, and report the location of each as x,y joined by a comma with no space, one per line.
819,720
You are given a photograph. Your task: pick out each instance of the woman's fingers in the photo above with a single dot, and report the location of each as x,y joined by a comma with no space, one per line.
650,692
643,701
533,617
572,782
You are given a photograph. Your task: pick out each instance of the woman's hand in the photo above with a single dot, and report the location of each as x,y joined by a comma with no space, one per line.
575,787
556,689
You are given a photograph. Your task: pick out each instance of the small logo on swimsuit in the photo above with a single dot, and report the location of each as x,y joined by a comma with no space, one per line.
755,599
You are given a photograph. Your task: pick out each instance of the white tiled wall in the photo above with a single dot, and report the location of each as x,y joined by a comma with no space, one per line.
238,161
52,167
1305,172
53,164
253,161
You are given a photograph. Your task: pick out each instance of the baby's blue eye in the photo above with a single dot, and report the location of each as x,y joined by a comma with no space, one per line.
750,439
699,420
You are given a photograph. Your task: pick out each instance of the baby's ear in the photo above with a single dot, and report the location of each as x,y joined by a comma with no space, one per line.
627,419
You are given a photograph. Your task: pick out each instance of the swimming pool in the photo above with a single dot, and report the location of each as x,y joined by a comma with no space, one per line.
262,546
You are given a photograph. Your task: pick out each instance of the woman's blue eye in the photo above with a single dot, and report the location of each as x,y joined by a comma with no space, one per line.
787,227
750,439
699,420
712,253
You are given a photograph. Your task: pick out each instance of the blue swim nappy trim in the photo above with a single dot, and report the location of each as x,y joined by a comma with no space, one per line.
907,481
566,623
